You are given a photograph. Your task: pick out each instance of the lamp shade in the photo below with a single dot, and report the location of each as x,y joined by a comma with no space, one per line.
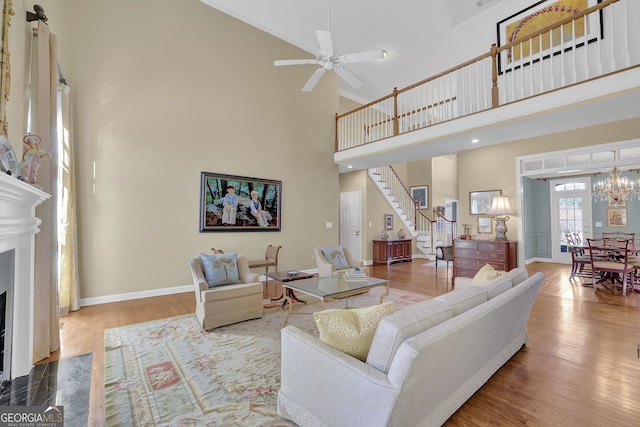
500,206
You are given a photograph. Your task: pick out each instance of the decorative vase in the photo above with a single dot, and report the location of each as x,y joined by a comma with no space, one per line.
384,235
402,234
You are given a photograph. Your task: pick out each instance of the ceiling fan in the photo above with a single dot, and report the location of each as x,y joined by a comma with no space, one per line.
328,59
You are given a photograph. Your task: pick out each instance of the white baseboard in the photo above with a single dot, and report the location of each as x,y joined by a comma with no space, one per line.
152,293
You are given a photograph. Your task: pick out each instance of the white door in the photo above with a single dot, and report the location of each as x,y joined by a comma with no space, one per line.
571,213
351,223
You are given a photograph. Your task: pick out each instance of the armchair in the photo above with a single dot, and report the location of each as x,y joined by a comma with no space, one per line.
326,268
226,304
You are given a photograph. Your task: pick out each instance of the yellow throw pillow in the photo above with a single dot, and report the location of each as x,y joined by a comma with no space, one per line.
485,275
351,331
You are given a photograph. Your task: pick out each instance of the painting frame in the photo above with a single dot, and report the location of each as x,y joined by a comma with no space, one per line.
420,193
388,221
485,225
506,27
480,201
616,217
213,188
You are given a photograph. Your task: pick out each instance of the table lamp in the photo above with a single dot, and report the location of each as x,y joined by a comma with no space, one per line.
500,206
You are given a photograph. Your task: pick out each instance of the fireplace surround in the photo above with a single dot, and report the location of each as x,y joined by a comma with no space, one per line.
18,227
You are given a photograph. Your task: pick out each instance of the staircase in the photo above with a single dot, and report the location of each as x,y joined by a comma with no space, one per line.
399,198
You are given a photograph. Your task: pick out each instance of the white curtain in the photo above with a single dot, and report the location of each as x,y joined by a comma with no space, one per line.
43,122
69,286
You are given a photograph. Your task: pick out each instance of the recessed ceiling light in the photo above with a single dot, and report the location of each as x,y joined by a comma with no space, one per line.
475,140
350,167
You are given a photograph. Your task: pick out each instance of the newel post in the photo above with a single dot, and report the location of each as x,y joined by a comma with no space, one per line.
494,76
395,111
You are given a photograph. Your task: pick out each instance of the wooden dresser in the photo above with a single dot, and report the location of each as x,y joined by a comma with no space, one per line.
469,256
390,251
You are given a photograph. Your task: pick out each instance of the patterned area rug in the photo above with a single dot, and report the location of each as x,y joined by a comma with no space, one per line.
170,372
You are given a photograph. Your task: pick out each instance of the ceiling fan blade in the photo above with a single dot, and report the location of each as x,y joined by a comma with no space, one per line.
362,56
324,40
315,78
348,77
281,62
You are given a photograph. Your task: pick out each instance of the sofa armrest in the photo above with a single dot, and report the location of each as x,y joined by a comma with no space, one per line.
331,385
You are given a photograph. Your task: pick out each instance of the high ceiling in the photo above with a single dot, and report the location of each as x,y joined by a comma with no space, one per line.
419,36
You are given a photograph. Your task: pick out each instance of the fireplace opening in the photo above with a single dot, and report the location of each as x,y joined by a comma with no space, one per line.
7,268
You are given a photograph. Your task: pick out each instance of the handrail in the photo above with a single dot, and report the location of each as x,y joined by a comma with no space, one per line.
424,103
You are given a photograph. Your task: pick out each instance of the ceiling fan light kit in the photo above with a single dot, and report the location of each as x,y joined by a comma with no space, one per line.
328,59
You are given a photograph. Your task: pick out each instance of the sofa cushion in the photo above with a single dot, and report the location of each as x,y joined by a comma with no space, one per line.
517,276
220,269
485,275
397,327
336,257
463,299
351,330
497,286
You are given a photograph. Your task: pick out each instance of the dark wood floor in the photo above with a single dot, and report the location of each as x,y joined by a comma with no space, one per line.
581,366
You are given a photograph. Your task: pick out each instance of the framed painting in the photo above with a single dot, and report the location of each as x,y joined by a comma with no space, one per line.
388,221
484,225
617,217
480,201
421,195
238,203
539,16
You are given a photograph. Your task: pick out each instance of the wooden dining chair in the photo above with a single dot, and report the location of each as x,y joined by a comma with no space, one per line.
620,235
580,262
609,261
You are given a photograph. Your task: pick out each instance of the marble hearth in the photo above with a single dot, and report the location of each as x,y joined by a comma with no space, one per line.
18,226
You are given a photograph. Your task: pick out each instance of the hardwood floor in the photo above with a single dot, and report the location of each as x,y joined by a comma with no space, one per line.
581,366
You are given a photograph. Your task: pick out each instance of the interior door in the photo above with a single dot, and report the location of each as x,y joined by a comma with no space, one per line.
571,213
351,223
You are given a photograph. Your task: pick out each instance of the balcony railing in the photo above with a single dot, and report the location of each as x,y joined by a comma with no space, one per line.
593,43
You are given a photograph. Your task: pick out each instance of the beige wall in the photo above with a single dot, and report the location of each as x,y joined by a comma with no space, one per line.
165,89
494,168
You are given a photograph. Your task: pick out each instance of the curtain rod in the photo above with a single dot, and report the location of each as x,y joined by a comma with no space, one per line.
38,16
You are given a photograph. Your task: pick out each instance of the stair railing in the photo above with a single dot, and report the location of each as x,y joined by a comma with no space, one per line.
593,43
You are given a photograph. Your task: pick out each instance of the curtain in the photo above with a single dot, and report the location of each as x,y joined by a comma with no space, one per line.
69,285
42,121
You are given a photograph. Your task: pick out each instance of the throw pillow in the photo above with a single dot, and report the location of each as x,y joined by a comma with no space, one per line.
220,269
336,257
485,275
351,330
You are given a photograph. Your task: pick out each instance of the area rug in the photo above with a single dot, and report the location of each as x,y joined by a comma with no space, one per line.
170,372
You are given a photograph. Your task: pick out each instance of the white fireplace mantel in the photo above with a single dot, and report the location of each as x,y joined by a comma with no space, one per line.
18,226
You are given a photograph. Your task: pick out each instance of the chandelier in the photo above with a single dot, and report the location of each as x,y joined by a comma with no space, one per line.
616,188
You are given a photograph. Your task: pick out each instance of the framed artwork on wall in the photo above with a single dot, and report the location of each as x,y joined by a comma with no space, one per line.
239,203
388,221
421,195
480,201
617,217
540,15
484,225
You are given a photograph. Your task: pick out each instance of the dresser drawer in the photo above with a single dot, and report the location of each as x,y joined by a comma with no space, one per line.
469,256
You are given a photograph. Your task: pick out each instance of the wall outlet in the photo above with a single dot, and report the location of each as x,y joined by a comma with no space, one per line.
329,225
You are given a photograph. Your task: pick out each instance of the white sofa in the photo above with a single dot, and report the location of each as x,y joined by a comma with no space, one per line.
424,362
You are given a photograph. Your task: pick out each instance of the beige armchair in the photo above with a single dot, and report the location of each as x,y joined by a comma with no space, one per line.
325,268
226,304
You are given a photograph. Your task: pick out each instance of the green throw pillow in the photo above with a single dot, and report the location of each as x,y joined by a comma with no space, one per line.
220,269
351,330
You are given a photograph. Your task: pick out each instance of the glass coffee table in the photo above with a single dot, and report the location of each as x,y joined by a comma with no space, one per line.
325,288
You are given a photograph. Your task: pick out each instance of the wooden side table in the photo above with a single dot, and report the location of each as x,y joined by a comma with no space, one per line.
285,276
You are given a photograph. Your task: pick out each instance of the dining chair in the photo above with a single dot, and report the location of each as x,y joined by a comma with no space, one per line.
609,261
620,235
580,262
